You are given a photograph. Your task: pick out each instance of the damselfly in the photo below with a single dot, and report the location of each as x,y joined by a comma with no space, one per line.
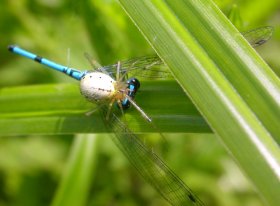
109,84
100,86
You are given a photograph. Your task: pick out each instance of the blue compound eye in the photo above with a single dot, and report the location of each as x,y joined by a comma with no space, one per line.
135,82
133,85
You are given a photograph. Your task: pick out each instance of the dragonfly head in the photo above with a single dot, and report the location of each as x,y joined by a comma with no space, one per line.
133,85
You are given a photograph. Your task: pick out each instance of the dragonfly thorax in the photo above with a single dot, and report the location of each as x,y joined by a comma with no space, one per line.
96,86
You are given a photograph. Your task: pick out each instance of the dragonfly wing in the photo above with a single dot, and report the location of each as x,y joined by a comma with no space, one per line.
152,66
259,36
146,66
150,166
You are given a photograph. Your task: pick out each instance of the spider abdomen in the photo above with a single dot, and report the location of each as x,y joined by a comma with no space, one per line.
96,86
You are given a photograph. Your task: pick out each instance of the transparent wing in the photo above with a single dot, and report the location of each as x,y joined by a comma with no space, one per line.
259,36
146,66
153,67
150,166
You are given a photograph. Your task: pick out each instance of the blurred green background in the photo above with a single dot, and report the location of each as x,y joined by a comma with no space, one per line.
31,166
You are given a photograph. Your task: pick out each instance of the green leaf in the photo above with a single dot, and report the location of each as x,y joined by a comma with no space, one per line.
235,17
226,79
60,109
77,178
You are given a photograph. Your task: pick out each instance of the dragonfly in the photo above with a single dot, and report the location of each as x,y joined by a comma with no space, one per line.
109,86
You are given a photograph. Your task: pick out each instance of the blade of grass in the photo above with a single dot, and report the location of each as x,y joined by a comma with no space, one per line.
77,178
60,109
241,65
210,58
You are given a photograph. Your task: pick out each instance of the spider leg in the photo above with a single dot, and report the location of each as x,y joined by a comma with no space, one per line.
118,71
94,64
138,108
110,108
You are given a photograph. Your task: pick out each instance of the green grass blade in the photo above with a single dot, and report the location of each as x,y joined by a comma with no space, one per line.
77,178
229,83
60,109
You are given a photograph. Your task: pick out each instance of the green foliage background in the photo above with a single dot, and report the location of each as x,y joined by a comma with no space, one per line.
31,166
